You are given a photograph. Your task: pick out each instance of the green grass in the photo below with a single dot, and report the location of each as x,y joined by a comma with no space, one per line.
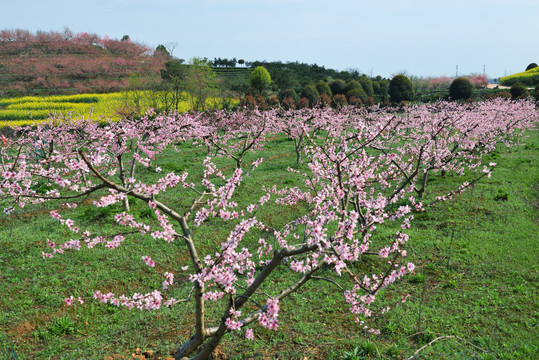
476,277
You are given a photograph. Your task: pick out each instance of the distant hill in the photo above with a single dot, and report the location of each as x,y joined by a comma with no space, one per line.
67,63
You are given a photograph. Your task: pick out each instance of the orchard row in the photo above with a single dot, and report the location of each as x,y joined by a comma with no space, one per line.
360,173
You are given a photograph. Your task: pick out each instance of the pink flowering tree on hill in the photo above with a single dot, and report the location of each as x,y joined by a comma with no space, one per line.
67,62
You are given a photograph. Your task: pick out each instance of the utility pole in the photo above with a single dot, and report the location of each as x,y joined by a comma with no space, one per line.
483,69
457,73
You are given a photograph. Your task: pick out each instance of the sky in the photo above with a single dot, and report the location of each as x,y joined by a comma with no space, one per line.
417,37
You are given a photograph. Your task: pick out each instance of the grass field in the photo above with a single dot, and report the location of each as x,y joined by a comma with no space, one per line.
474,293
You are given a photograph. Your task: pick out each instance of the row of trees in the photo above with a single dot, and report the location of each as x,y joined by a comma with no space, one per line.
264,82
366,171
364,91
198,81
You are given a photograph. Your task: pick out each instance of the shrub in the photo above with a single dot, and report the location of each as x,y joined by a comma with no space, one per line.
370,101
376,87
401,89
337,86
288,103
323,88
519,91
338,101
261,102
251,91
352,84
303,103
248,101
310,93
367,85
357,93
503,94
531,66
283,94
461,88
273,101
434,97
536,92
323,100
384,90
355,101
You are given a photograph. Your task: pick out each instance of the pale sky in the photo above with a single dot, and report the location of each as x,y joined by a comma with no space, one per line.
420,37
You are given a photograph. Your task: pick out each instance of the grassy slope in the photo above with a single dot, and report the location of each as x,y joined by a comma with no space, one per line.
476,278
529,78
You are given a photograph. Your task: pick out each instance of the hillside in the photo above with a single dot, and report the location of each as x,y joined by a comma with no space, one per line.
67,63
529,77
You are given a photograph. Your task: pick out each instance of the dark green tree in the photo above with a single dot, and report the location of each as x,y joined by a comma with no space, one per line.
401,89
173,69
323,88
338,101
461,88
367,86
352,84
163,50
357,93
337,86
310,93
376,87
519,91
384,90
531,66
291,93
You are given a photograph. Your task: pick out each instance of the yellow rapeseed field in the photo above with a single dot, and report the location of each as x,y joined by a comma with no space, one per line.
113,106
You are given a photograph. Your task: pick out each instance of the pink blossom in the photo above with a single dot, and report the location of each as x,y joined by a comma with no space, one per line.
384,252
148,261
232,325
